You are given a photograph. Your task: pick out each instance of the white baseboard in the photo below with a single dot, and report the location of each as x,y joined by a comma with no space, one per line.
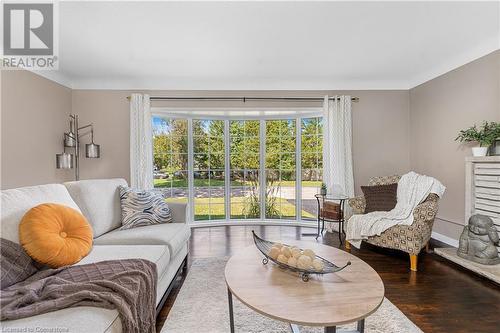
445,239
312,224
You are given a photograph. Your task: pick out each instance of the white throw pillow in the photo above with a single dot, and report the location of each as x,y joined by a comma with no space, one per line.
142,208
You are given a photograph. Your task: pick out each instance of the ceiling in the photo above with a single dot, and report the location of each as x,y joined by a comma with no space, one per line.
269,45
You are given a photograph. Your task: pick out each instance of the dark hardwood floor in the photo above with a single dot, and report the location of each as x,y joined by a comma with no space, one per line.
440,297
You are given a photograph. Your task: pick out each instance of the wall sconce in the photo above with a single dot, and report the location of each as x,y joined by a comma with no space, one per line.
72,140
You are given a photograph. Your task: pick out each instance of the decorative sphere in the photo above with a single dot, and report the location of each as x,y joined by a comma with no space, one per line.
285,250
296,252
292,262
304,262
310,254
282,259
318,265
274,253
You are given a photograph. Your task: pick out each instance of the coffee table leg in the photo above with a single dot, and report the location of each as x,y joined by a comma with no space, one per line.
361,326
359,329
231,316
333,329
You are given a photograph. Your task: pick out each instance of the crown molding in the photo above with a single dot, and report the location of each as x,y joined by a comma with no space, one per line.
55,76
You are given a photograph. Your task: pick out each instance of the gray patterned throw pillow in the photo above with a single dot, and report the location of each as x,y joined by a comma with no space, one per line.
141,208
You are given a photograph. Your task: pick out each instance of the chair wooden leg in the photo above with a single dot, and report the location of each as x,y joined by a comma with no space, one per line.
428,248
347,245
413,262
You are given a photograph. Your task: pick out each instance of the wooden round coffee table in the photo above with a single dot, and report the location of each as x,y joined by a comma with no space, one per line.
328,301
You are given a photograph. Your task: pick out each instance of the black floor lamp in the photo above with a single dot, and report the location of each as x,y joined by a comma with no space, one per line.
72,141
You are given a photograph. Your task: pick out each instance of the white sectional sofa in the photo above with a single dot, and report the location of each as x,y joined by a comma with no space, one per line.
98,200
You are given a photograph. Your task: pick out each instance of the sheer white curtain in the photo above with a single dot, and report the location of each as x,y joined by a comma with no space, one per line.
337,146
141,146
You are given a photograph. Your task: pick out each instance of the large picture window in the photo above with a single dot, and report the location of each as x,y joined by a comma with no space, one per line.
240,169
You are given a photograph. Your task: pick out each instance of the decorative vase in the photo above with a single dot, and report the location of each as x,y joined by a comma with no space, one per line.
495,148
479,151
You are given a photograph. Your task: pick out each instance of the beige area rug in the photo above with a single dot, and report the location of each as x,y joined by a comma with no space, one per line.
202,306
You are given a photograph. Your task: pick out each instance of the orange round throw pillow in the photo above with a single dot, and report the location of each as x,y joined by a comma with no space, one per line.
55,235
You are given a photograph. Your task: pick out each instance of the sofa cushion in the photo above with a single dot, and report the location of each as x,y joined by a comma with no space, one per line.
55,235
179,211
99,200
16,202
380,198
175,235
82,319
159,254
141,208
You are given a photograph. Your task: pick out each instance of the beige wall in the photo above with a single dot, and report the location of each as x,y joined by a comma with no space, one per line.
441,107
33,117
109,113
380,129
380,135
37,107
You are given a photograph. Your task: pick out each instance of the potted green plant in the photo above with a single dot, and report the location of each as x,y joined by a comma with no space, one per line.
323,189
484,136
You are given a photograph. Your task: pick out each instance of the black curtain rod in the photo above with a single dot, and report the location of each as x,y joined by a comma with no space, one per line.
245,99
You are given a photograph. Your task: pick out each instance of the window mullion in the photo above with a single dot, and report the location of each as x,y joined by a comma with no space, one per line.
262,171
298,169
209,173
190,170
227,171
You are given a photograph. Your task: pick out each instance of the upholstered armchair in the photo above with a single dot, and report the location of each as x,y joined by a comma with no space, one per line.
408,238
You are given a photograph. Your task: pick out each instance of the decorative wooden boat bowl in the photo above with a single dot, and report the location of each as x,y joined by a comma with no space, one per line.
265,246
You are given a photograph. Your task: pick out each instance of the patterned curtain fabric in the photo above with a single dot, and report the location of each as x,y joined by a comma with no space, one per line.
337,146
141,151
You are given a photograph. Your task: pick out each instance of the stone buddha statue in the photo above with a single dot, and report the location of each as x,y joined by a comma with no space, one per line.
478,240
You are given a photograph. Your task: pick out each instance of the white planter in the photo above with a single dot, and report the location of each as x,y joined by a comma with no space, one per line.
479,151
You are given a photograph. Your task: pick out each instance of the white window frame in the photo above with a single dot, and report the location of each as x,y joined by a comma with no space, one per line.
190,114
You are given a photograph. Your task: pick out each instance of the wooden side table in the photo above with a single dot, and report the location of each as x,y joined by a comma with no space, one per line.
321,199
